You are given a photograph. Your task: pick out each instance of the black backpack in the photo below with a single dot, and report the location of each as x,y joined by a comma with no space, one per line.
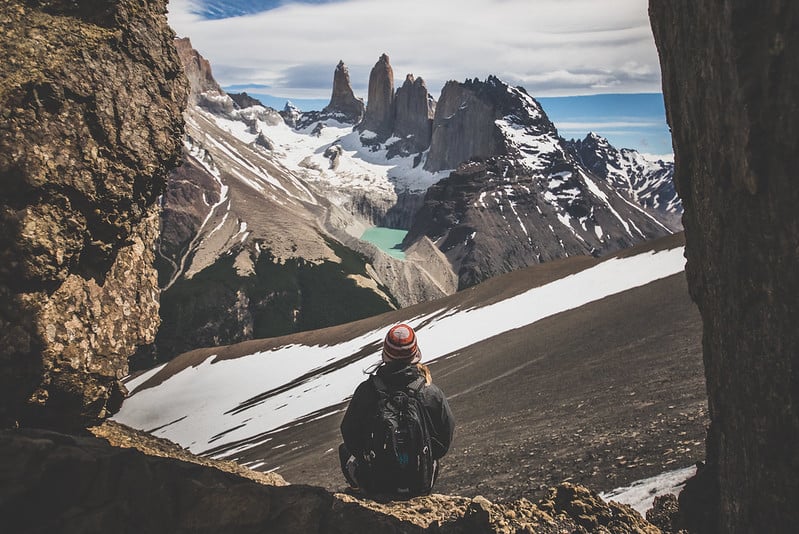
400,457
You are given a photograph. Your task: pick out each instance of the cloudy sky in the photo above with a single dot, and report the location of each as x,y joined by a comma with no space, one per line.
554,48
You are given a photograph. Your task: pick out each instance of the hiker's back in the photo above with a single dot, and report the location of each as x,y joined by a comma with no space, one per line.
397,425
400,456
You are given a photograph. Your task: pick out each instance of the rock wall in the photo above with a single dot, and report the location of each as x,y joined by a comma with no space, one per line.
730,84
414,109
203,88
463,127
197,69
91,124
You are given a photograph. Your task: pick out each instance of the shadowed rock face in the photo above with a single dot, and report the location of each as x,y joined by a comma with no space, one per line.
90,126
379,117
464,126
343,100
730,83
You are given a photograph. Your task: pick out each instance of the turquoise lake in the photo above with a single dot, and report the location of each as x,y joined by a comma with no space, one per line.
387,239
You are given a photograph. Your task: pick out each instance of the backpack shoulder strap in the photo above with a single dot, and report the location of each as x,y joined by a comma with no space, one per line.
417,385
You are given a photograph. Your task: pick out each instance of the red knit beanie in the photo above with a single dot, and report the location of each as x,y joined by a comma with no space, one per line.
400,345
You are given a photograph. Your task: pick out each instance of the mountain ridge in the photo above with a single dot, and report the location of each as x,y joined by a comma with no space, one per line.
252,163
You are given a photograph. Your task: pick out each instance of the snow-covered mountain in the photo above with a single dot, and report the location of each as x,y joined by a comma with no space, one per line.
261,226
523,198
649,183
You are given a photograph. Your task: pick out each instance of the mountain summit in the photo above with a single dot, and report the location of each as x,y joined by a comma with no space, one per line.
343,101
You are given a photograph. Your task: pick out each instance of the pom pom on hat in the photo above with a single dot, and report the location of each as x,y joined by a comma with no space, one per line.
400,345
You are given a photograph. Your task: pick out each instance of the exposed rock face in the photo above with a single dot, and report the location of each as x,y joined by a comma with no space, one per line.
379,116
343,101
197,69
243,100
414,109
91,124
204,90
730,83
464,126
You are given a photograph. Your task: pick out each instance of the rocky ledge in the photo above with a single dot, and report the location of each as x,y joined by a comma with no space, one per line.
125,480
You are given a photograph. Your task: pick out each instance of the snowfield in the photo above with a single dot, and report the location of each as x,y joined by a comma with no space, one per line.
359,166
240,401
639,495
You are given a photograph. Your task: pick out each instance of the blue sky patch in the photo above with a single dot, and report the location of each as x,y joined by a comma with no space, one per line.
213,9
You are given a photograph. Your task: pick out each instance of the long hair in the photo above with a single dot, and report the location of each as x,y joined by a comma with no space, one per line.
422,368
425,372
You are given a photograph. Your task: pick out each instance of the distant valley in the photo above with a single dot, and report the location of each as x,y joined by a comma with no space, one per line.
262,226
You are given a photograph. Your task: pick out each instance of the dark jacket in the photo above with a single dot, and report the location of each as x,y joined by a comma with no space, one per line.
354,426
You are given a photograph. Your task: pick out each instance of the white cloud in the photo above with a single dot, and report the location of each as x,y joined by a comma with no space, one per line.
552,47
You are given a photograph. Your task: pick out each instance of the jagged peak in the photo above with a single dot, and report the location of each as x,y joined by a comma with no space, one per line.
342,99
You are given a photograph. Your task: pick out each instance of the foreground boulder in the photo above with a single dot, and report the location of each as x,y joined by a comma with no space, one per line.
91,123
51,481
730,83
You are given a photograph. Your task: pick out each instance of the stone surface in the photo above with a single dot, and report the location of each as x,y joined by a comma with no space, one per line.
243,100
343,101
379,115
197,69
730,83
90,126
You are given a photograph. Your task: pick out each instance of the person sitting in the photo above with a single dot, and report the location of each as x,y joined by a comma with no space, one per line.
398,424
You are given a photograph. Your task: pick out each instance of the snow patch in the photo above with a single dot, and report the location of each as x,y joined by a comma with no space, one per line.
640,494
